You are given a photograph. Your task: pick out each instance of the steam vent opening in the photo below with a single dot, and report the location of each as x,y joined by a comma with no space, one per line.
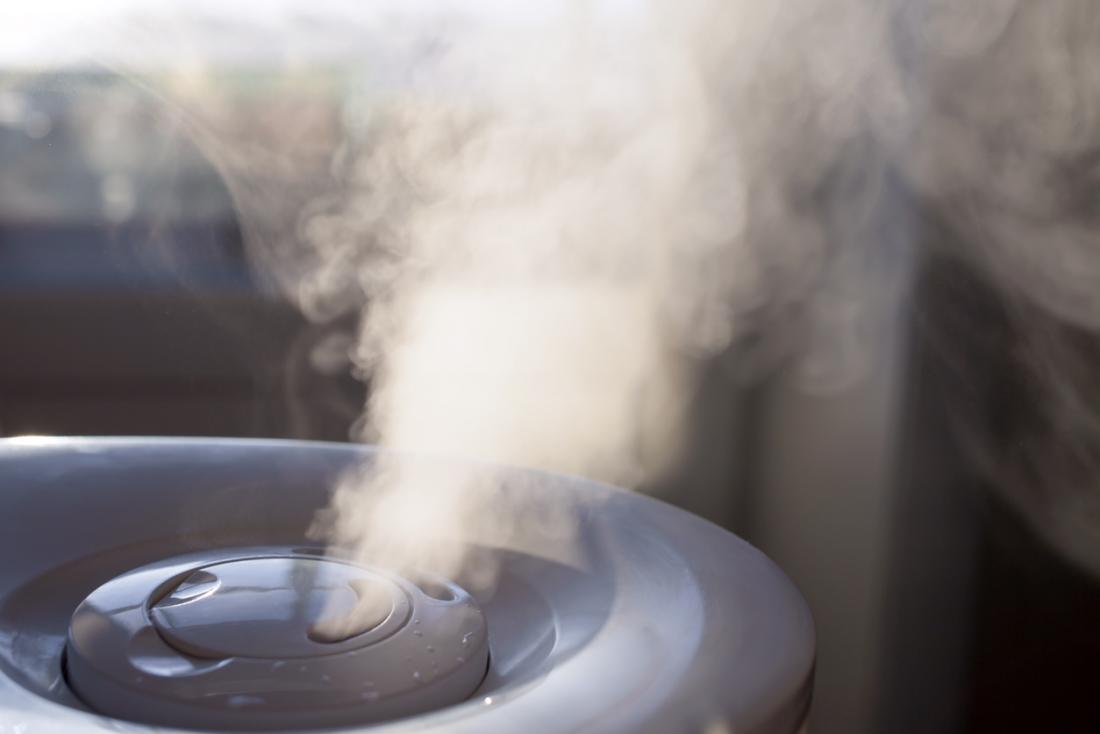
274,641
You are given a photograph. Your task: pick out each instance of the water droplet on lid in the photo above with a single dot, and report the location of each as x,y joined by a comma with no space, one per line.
431,649
487,700
417,676
416,621
460,659
418,633
278,664
369,696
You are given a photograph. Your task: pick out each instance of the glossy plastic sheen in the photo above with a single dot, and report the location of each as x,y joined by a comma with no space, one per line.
227,644
642,618
276,608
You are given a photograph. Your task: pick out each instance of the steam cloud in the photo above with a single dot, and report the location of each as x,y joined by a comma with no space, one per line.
562,215
547,217
548,220
550,223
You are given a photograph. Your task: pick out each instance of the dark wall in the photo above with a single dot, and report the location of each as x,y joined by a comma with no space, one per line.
991,625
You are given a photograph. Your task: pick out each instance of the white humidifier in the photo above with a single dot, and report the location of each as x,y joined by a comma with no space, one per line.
153,584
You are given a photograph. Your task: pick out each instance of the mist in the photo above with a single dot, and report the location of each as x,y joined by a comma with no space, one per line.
553,222
565,215
546,218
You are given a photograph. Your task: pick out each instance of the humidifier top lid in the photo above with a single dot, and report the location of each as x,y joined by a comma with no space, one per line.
279,608
273,641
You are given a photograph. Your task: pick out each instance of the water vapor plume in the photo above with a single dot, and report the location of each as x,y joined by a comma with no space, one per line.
551,218
565,210
547,215
1002,154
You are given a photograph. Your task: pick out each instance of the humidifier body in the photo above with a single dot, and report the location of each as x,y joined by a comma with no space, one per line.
172,583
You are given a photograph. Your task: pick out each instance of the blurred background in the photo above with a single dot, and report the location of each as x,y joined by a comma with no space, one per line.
129,305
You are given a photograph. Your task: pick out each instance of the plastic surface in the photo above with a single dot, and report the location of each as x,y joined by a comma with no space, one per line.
227,643
642,618
278,608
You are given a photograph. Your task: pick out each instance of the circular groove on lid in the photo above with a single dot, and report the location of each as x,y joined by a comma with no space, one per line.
278,608
272,640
